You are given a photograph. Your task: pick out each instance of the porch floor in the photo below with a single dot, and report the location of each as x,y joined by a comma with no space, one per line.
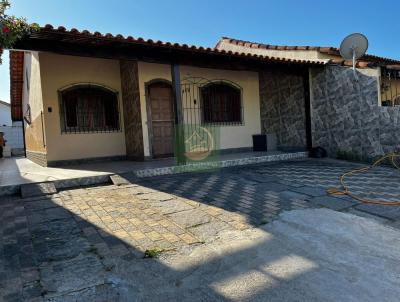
17,171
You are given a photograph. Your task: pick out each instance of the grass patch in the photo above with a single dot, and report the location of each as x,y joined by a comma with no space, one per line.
153,253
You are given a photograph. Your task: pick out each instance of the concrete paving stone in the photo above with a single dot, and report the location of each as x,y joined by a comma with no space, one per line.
145,243
29,274
290,183
32,289
119,250
333,202
165,245
354,211
190,218
170,237
71,275
13,297
188,238
273,186
62,248
134,208
55,230
175,229
389,212
144,228
292,196
157,196
260,177
56,213
112,241
122,179
209,230
311,191
40,204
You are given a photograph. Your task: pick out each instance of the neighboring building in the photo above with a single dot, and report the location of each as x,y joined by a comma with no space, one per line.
5,114
358,116
12,130
387,70
88,96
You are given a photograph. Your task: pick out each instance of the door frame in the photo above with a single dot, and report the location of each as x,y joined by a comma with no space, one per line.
148,111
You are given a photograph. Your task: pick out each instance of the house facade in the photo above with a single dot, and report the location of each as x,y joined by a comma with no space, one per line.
88,96
63,138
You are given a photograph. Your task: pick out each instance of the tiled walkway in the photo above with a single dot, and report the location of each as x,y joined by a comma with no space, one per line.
46,239
77,234
262,191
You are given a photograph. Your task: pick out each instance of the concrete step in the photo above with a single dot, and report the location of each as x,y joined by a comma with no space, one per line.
123,179
127,178
38,189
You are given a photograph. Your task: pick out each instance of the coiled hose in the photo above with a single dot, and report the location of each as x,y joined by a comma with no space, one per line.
345,190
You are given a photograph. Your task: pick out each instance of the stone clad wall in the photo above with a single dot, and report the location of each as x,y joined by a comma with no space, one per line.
282,108
131,108
346,115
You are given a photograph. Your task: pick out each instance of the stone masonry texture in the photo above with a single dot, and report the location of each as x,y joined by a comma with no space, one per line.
282,108
346,115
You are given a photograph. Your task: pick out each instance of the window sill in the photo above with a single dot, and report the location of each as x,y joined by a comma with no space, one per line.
222,124
90,131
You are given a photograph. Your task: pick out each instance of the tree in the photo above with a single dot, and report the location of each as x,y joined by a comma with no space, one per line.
12,28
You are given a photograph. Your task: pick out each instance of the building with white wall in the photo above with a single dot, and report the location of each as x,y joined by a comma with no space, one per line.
12,130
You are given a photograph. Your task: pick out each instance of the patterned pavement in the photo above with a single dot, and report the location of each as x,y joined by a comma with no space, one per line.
263,191
77,234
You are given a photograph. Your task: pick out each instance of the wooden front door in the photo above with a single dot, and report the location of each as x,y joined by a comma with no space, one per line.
162,119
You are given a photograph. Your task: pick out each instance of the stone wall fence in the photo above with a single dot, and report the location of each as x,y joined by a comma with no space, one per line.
347,117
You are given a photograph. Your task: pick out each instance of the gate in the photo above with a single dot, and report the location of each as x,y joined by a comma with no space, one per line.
390,86
204,109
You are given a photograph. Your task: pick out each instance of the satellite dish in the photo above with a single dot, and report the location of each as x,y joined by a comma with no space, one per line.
353,47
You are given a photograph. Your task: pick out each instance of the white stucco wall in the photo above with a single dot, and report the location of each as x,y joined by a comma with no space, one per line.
57,72
5,114
32,96
287,54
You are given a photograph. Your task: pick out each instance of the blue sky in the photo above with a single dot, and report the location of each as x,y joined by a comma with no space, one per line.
286,22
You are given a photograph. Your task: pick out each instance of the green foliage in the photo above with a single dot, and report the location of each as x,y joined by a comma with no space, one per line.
153,253
12,28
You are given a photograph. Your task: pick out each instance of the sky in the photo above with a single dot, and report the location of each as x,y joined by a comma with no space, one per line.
203,22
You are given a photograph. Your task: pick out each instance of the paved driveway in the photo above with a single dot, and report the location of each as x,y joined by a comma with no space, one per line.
88,244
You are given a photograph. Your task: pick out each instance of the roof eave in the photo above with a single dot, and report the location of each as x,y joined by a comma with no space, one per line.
48,38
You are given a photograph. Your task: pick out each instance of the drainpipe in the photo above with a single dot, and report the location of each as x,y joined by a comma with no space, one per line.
23,136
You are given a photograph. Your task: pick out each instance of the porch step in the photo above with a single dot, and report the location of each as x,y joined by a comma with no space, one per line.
37,189
126,178
122,179
219,164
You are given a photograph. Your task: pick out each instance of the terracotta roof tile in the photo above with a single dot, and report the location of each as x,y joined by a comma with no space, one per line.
327,50
16,84
74,33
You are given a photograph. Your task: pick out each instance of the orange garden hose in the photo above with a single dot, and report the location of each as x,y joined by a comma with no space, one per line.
334,191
